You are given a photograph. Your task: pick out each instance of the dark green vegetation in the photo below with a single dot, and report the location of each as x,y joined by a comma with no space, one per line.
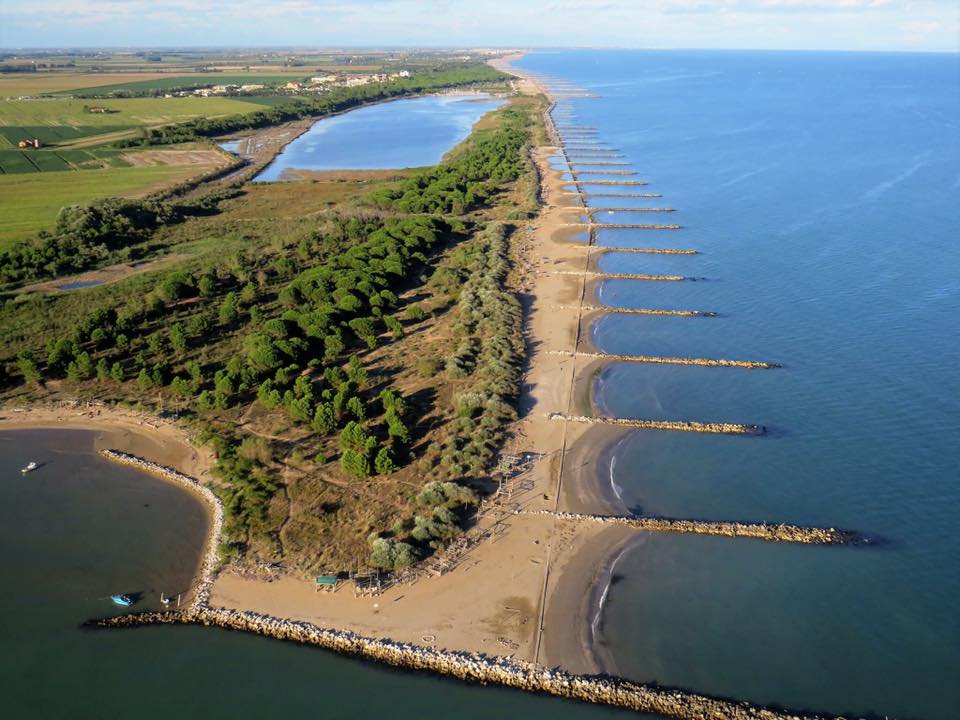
16,161
351,353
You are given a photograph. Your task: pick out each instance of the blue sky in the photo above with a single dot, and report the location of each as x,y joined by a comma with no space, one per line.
785,24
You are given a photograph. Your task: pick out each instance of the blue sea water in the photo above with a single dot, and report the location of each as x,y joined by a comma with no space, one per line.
823,191
398,134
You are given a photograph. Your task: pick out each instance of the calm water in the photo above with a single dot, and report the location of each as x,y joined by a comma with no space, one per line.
397,134
79,529
823,191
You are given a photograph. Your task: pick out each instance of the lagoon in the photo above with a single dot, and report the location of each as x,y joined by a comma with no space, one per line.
398,134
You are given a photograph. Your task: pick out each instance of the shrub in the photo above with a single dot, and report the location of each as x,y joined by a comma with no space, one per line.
355,463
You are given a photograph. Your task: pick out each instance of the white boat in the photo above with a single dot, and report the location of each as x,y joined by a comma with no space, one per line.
30,467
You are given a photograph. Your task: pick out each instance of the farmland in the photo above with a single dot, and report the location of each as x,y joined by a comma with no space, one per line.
30,202
59,121
176,80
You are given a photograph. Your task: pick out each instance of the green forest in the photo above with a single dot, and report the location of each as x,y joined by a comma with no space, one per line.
288,331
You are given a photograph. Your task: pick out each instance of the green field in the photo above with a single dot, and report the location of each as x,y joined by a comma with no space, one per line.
63,120
29,203
175,81
13,162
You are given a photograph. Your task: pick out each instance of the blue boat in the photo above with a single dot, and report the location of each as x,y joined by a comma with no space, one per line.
124,600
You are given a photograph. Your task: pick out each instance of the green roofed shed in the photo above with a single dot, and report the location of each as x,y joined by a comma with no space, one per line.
327,582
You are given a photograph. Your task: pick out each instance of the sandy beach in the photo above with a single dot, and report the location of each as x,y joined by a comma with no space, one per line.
527,589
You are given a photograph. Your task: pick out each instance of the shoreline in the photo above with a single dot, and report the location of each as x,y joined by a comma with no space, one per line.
490,618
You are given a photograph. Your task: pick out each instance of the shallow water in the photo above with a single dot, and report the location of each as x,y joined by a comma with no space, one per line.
80,284
821,189
398,134
78,529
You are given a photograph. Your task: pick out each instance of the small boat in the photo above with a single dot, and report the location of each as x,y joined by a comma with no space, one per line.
30,467
122,600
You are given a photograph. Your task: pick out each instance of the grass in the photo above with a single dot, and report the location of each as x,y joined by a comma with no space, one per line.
30,202
172,80
68,119
15,85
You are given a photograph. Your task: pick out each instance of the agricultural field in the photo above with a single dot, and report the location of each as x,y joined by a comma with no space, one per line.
30,202
44,83
176,80
63,121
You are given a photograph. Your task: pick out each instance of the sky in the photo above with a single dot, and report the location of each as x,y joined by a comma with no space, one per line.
904,25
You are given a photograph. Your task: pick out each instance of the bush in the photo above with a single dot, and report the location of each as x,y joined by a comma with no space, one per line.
355,463
389,554
384,463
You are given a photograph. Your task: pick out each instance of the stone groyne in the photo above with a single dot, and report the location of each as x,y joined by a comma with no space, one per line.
634,226
591,210
702,362
633,195
621,276
611,182
648,251
781,532
676,425
640,311
210,559
606,172
474,667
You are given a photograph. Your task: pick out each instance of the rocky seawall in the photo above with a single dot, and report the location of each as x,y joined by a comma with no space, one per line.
473,667
780,532
679,425
702,362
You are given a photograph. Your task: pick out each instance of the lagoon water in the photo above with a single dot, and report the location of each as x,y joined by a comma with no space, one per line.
822,190
398,134
79,529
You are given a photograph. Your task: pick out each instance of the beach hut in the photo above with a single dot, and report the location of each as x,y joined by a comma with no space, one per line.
327,583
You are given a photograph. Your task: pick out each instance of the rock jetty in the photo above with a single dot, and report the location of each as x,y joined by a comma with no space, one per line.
703,362
679,425
473,667
780,532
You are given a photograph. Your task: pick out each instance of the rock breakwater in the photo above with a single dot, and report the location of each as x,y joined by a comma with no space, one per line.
702,362
677,425
473,667
780,532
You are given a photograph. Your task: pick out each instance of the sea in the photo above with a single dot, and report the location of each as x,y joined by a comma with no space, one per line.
821,190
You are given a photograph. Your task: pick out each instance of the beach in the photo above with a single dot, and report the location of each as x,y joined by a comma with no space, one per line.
529,570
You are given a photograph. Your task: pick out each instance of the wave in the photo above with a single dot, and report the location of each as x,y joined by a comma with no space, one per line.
879,189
